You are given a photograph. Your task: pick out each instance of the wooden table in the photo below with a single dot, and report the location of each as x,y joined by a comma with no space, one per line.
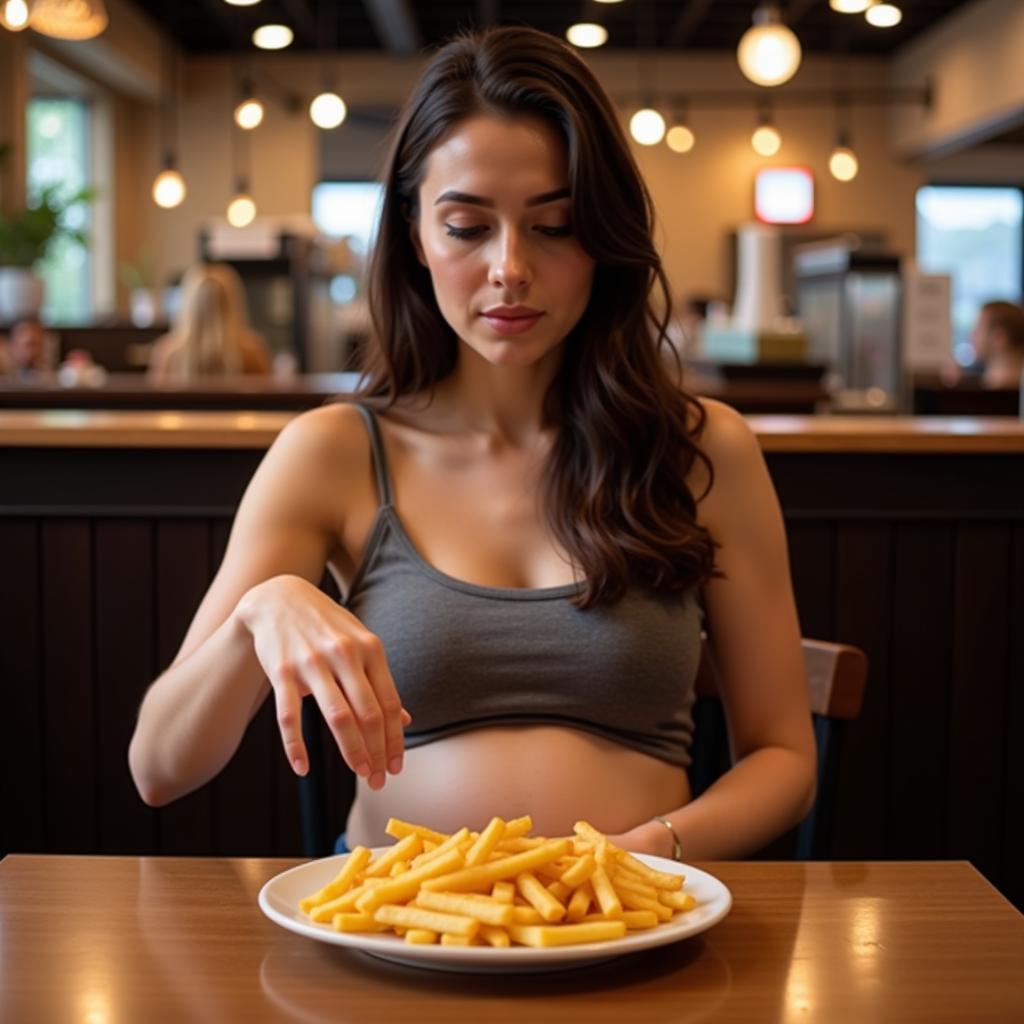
106,940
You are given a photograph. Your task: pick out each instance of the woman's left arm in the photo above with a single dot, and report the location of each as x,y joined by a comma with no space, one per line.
755,634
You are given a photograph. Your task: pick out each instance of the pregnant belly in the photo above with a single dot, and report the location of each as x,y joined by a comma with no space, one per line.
555,774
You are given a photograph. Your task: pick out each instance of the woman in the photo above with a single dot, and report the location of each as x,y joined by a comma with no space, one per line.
524,528
211,332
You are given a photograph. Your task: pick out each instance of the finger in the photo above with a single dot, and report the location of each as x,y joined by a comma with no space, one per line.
288,704
395,716
346,660
338,715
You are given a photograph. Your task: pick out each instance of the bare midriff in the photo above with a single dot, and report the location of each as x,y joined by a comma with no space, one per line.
556,775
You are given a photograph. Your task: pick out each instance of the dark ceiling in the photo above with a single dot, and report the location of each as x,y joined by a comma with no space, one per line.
405,26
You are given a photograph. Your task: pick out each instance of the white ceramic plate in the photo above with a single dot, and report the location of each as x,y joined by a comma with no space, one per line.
279,900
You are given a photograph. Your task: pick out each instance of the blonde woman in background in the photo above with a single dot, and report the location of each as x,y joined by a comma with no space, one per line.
211,333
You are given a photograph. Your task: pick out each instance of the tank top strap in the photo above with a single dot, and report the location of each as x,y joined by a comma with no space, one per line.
380,458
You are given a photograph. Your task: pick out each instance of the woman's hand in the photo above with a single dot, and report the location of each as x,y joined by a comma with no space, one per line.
650,837
308,644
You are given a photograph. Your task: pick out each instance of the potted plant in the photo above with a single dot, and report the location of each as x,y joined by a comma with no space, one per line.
26,236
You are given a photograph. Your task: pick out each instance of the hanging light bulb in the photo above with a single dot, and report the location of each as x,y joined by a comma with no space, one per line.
169,186
680,139
249,114
69,19
883,15
849,6
587,35
769,53
241,210
647,127
766,140
14,14
273,37
242,3
327,110
843,163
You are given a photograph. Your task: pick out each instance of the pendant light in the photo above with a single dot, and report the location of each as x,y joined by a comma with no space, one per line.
766,139
250,110
15,14
647,126
169,188
680,137
327,110
849,6
769,53
883,15
842,163
241,208
69,19
587,35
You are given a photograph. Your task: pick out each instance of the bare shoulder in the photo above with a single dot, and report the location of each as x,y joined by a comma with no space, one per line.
734,452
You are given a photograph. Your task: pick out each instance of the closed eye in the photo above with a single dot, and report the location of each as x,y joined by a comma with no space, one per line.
552,231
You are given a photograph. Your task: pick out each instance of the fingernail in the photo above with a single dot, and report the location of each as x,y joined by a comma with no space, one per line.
395,765
299,766
377,780
363,769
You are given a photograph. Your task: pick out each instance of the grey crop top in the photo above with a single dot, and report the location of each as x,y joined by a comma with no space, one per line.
464,656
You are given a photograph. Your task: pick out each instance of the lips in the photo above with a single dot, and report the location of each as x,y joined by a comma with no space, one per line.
511,323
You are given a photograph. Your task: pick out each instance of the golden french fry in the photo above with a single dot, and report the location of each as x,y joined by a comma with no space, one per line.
627,880
404,849
399,869
482,908
397,890
517,844
357,860
518,826
634,919
636,902
493,936
421,936
356,923
484,875
659,879
527,915
453,842
400,829
447,939
503,892
479,852
581,870
607,899
543,936
677,900
543,902
560,891
579,902
323,912
433,920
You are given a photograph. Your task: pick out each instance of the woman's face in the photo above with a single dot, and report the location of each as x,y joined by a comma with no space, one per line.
494,231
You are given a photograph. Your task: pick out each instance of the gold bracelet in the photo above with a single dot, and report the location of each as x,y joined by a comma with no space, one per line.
677,847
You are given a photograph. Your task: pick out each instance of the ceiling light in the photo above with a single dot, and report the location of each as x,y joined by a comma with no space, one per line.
273,37
680,139
849,6
647,127
586,34
249,114
843,163
883,15
69,19
169,186
766,140
241,210
769,53
14,15
242,3
327,110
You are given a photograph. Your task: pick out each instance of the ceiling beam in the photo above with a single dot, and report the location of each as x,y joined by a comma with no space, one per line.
395,25
222,15
687,22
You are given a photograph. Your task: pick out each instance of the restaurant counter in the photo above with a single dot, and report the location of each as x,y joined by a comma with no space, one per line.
906,538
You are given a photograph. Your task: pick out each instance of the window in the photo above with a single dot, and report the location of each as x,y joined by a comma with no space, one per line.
58,152
348,209
976,234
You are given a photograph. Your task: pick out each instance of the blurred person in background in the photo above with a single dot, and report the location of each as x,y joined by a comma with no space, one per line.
998,340
25,354
211,332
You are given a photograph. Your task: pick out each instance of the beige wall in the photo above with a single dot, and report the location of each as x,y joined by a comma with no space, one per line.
699,197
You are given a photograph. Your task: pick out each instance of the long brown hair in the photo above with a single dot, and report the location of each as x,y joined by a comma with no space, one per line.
614,485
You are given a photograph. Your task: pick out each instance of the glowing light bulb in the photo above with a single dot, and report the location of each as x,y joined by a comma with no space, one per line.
14,15
241,211
883,15
587,35
766,140
273,37
680,139
327,110
647,127
769,53
249,114
843,163
849,6
169,189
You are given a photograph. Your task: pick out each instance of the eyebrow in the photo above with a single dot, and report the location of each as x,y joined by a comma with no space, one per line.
464,197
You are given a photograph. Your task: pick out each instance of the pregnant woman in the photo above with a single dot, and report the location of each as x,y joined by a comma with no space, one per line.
530,521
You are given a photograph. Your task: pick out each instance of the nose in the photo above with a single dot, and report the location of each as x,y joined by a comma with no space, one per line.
510,266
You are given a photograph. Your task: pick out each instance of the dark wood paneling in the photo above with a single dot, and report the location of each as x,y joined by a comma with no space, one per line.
976,757
863,591
69,686
812,564
1011,875
22,734
124,669
186,827
922,647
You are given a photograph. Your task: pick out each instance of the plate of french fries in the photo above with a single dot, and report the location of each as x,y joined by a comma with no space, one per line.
496,900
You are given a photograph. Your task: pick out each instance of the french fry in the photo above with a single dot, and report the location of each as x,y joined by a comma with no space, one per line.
483,908
634,919
323,912
659,879
356,923
635,902
606,896
484,875
543,936
623,880
421,936
447,939
357,860
395,890
579,903
503,892
493,936
560,891
575,876
400,829
453,842
677,900
543,902
404,849
480,851
433,920
527,915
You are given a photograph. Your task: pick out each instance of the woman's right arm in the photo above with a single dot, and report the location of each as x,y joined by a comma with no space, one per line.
265,626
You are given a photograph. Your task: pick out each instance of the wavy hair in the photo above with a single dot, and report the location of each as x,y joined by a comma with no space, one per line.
614,485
